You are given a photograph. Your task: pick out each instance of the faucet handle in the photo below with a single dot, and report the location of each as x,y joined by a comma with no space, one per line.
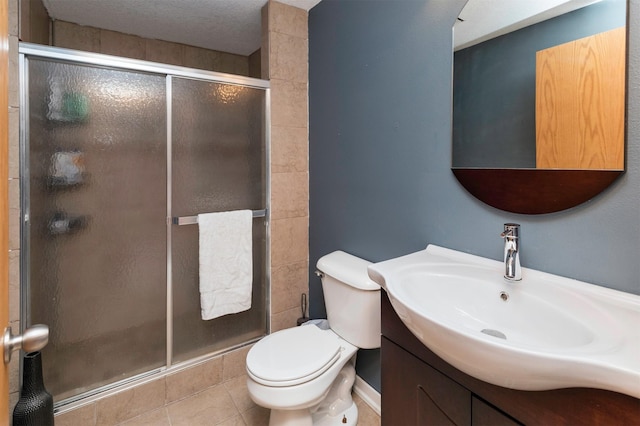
511,230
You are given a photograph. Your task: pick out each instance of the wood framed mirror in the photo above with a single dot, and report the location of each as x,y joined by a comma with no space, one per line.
539,101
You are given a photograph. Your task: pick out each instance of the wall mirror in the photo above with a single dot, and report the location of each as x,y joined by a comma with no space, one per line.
539,101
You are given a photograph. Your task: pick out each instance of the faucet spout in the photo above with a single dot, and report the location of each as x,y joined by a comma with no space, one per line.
512,266
511,235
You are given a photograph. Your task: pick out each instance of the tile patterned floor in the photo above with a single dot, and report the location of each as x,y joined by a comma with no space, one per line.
226,404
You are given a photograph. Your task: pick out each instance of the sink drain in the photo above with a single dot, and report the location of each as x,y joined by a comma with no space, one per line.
494,333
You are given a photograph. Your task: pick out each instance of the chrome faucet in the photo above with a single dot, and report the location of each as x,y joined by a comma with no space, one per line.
511,235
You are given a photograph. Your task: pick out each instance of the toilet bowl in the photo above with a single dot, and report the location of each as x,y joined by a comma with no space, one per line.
305,374
293,370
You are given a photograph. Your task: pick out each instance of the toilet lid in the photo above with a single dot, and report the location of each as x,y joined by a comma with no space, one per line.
293,356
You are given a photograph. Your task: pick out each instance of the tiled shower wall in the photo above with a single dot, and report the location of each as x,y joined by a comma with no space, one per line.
285,64
90,39
284,61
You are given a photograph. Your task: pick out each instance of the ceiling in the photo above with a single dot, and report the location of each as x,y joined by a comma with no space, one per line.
235,25
224,25
482,20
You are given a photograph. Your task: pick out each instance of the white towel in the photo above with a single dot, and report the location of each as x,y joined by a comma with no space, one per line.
226,262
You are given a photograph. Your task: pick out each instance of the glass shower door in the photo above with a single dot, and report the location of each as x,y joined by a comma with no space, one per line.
95,195
218,164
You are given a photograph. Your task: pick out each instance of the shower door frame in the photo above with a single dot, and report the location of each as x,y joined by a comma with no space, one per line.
169,72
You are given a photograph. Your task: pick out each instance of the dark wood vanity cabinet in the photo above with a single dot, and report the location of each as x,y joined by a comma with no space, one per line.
414,393
419,388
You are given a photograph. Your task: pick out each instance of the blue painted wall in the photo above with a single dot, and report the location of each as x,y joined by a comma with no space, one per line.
380,156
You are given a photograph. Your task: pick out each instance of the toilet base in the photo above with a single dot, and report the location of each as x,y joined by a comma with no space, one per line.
336,409
290,418
348,417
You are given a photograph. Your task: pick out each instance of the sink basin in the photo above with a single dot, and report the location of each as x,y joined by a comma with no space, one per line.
544,332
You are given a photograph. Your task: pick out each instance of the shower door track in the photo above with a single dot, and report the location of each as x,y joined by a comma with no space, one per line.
93,395
169,71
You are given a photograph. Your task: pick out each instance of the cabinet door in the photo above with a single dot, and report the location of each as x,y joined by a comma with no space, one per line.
416,394
483,414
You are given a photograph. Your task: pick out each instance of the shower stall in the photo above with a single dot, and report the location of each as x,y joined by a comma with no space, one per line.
118,156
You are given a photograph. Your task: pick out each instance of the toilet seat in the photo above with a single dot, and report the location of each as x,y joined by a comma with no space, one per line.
293,356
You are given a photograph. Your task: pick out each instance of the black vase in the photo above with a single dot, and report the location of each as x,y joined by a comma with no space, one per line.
35,406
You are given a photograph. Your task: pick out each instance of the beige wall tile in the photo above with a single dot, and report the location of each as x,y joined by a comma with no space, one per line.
14,80
39,23
23,18
234,363
288,282
108,42
285,319
289,57
14,214
289,104
232,64
289,241
289,149
13,400
288,20
14,371
289,195
285,62
238,391
85,416
119,44
13,17
194,379
14,142
130,403
14,364
196,57
164,52
73,36
255,66
206,408
264,46
14,285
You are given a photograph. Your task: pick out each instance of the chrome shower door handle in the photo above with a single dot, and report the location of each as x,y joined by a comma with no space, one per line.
33,339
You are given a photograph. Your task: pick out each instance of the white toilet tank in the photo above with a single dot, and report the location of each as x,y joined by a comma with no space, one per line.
352,300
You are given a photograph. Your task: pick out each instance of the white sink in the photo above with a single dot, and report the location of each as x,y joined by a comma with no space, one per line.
544,332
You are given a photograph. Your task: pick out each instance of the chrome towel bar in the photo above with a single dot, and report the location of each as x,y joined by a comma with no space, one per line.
191,220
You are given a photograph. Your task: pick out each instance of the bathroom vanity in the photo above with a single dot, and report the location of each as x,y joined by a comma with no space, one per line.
419,388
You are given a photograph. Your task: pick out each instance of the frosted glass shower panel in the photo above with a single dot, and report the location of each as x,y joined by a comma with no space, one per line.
218,147
96,235
218,164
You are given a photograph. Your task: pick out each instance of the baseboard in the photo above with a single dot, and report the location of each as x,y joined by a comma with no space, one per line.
368,394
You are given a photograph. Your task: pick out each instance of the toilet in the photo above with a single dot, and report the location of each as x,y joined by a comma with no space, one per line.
305,374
